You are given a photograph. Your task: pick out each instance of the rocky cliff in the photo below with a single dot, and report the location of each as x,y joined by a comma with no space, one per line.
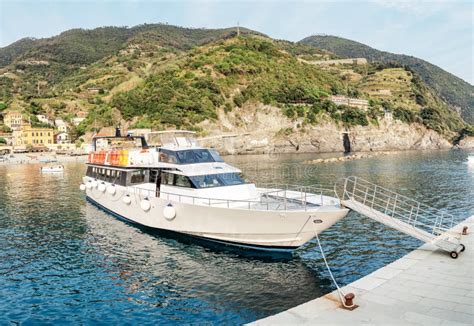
466,143
264,129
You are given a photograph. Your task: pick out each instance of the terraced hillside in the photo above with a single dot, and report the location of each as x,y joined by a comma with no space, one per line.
452,89
155,80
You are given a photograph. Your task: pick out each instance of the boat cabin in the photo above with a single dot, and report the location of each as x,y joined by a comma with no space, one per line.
179,165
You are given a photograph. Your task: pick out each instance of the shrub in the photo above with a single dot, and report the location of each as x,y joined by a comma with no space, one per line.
239,100
405,115
432,119
354,116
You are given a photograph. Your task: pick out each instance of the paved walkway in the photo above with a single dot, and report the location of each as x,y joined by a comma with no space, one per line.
425,287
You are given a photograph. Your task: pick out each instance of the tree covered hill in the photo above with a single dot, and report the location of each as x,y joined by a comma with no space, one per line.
164,76
81,46
452,89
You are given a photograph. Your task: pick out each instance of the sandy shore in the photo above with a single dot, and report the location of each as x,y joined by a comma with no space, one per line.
38,158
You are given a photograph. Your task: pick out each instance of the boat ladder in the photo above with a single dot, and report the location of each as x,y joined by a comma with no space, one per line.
399,212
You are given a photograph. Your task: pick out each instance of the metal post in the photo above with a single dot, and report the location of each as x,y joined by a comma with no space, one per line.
416,217
353,190
394,205
386,208
305,200
373,198
366,192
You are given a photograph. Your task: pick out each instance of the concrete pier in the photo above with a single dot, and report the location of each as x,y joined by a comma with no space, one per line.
425,287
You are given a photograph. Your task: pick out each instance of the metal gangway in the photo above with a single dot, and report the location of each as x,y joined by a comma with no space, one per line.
404,214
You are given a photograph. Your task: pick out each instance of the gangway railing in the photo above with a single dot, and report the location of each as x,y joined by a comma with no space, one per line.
400,212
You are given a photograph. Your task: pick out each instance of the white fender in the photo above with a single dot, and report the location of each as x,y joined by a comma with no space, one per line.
111,190
145,205
169,212
127,200
94,184
101,187
89,185
82,187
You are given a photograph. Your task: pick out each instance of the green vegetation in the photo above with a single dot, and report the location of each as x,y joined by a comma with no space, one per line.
160,76
3,140
4,128
184,93
456,91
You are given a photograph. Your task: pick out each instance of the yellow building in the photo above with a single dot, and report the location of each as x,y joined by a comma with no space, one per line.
35,137
13,120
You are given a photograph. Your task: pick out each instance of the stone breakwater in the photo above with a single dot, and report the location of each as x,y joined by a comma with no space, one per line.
347,158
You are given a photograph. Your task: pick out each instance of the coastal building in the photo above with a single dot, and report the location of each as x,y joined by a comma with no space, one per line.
44,119
13,120
76,121
35,137
353,102
62,138
60,125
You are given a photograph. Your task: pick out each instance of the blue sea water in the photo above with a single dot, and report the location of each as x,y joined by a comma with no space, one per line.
65,261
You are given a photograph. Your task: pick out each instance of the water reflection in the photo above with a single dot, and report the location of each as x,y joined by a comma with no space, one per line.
63,259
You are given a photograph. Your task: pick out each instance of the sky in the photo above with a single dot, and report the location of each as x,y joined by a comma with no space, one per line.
439,31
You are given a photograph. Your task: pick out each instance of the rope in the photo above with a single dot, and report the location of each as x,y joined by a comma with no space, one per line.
339,291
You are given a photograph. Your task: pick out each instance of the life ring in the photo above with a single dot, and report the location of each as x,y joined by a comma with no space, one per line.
127,200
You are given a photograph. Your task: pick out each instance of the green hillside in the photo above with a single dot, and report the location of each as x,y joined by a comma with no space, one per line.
80,46
165,76
452,89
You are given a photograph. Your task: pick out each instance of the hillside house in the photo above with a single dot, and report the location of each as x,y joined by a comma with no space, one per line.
62,138
60,125
44,119
13,120
76,121
352,102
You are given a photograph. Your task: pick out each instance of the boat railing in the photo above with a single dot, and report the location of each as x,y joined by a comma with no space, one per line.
272,197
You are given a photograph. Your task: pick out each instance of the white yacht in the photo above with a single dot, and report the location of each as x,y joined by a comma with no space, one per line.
185,189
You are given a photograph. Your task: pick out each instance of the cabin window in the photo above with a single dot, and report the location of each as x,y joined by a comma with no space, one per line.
168,179
178,180
215,155
217,180
168,157
189,156
182,181
137,177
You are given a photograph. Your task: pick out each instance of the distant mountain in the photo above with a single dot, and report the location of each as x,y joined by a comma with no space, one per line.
80,46
452,89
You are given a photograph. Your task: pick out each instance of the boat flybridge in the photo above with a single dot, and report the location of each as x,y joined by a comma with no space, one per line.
185,189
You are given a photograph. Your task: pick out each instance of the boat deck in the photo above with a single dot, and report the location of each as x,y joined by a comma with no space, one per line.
425,287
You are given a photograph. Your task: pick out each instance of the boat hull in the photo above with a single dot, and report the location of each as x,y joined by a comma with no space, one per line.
246,228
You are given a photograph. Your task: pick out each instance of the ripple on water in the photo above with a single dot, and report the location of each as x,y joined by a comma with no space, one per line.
62,259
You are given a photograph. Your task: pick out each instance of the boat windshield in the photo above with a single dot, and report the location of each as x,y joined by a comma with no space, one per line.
190,156
217,180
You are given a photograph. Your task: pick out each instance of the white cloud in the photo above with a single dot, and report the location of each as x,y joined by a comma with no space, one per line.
416,7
